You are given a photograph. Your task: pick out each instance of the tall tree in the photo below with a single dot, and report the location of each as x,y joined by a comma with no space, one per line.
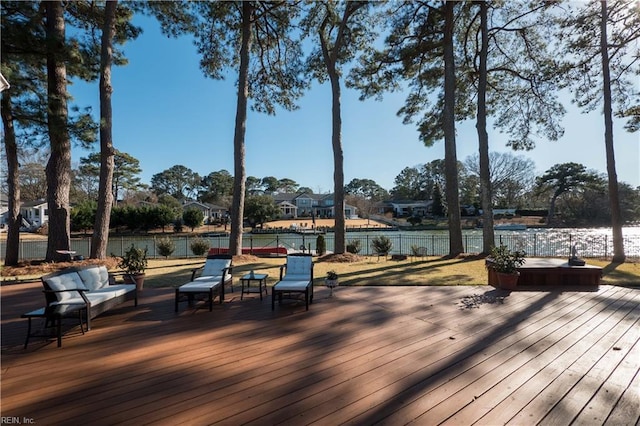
125,174
561,179
270,184
253,185
366,188
287,185
507,57
449,129
411,184
511,176
23,64
27,52
58,168
488,240
100,237
216,186
343,29
178,181
420,52
603,74
256,38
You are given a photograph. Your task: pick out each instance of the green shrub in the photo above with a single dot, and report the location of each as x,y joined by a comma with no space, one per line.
413,220
134,260
166,246
381,244
199,246
354,246
321,245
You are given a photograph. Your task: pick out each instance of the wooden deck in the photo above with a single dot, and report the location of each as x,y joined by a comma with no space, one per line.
375,355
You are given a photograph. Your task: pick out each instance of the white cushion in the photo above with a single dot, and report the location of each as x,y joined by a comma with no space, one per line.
290,285
69,280
212,278
94,278
299,265
100,295
297,277
199,286
215,266
114,290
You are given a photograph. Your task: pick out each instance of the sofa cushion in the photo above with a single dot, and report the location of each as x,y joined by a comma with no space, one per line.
69,280
94,277
100,295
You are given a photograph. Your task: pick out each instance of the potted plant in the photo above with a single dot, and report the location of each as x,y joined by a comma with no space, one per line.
331,281
134,263
505,263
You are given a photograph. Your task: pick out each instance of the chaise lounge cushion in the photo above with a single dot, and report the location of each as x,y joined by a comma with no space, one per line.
297,268
293,285
201,284
68,281
213,267
94,278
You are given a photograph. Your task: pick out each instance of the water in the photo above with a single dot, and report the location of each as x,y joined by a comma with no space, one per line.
590,242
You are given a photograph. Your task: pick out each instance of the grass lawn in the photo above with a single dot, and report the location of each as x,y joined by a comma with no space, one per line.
369,271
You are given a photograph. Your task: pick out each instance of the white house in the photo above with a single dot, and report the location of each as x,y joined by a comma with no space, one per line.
211,212
4,210
406,208
310,205
34,213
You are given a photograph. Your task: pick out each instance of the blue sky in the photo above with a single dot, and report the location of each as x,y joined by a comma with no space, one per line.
165,112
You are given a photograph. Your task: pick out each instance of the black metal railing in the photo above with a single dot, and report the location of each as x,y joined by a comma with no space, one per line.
535,244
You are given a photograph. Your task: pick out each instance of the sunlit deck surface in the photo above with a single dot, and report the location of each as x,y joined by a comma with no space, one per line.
376,355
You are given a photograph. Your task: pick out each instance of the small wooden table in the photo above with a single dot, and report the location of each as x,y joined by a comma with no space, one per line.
262,284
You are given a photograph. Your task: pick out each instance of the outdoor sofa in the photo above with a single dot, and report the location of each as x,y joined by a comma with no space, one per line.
88,288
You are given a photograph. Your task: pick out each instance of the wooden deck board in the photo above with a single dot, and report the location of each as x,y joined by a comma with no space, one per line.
369,355
485,352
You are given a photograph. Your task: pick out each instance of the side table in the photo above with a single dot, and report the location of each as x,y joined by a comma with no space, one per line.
262,284
53,319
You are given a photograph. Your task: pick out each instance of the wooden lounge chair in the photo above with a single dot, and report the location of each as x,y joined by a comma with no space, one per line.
296,278
215,275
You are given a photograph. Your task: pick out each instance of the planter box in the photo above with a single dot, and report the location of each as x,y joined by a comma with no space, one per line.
548,271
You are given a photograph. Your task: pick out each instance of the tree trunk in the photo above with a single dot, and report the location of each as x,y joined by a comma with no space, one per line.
100,236
552,208
58,170
239,178
488,239
614,198
14,218
340,243
450,158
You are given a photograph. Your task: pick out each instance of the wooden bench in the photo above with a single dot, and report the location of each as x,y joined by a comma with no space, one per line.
547,271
